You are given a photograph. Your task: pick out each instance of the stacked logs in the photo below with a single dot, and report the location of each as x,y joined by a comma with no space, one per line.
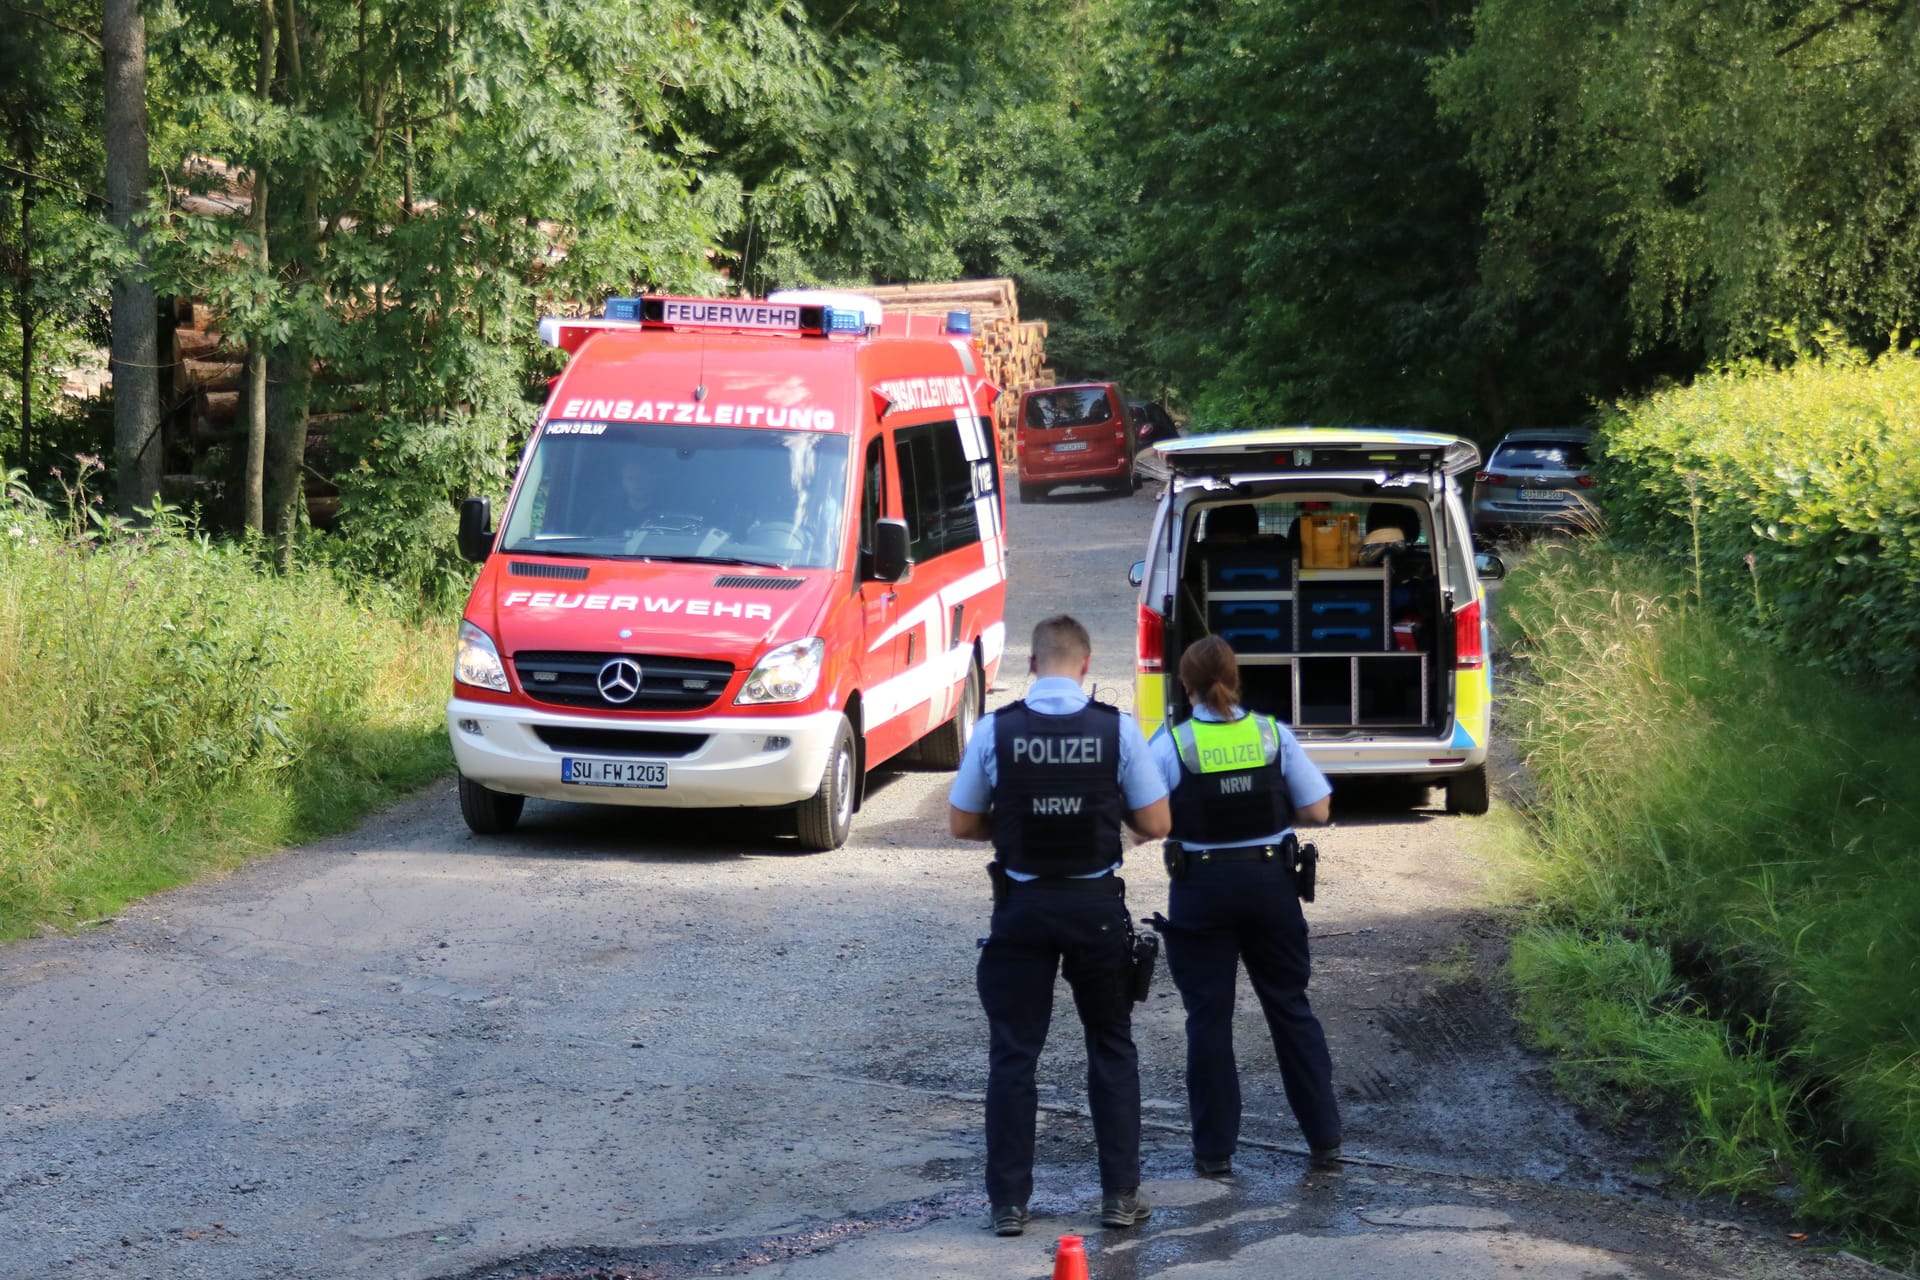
1014,349
208,374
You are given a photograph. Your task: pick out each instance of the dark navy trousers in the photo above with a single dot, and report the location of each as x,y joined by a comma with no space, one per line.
1221,915
1040,930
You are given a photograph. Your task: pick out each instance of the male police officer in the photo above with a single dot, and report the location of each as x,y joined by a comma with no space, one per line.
1050,780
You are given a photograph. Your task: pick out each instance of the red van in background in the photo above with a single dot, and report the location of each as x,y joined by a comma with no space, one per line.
753,549
1078,434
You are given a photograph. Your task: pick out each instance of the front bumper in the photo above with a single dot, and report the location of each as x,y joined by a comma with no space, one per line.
742,763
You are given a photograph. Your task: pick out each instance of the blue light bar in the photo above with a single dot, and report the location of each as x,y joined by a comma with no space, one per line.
842,320
623,308
959,322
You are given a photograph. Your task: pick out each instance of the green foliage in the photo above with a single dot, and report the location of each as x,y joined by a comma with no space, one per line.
1723,851
167,707
1739,163
1795,492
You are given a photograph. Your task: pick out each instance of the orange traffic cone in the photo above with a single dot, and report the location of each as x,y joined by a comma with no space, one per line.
1070,1260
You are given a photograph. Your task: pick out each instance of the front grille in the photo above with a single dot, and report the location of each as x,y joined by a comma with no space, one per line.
620,742
748,582
666,684
570,572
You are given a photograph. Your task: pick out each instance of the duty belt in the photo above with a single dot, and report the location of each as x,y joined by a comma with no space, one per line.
1238,853
1104,883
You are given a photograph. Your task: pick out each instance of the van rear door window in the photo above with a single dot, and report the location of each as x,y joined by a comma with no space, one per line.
1069,407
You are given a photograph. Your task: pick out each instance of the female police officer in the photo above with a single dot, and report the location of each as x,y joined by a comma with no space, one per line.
1240,782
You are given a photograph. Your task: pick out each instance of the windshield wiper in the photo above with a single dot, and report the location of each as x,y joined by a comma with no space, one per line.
735,560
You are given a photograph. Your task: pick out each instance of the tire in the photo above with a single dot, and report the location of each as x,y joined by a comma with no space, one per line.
1034,493
1467,792
944,746
488,813
825,817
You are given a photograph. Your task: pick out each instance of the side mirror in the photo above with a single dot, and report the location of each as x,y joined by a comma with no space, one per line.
890,563
1489,566
1137,574
476,529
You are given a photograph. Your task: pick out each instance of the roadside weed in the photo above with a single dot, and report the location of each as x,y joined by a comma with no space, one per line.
168,706
1723,853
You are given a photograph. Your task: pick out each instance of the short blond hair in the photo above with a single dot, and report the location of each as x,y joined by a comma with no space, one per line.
1060,641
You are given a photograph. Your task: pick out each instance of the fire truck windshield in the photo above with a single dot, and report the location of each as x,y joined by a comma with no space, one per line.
729,495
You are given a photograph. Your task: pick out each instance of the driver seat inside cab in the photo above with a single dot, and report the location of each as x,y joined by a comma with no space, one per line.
1338,565
753,549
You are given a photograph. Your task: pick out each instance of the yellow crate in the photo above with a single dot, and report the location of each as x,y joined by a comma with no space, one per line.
1329,541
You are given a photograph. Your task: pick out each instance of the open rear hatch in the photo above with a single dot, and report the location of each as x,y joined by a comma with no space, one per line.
1346,648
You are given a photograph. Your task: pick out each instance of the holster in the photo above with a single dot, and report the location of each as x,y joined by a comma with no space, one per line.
1143,949
1306,865
997,875
1174,854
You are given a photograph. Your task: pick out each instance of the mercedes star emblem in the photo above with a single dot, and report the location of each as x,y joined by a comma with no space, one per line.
619,680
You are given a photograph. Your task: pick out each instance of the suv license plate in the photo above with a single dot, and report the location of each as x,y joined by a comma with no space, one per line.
1543,495
613,773
1071,446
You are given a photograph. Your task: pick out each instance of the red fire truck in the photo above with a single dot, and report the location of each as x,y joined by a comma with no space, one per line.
753,549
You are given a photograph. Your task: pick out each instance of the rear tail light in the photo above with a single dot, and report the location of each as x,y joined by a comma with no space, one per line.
1491,477
1150,641
1468,651
1585,482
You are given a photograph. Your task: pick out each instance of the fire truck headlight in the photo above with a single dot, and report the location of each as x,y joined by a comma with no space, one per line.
477,662
788,674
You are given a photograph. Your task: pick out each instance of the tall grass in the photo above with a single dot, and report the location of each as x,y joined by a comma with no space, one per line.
168,706
1727,857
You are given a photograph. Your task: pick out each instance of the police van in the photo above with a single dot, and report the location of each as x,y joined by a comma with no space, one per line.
1338,565
753,549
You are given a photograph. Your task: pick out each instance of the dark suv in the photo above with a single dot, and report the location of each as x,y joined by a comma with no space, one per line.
1536,480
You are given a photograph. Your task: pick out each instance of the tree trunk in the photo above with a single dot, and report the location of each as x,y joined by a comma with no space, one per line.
135,357
253,482
290,372
25,299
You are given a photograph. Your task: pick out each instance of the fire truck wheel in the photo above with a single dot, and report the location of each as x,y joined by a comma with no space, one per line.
1034,493
1467,792
944,746
488,813
827,815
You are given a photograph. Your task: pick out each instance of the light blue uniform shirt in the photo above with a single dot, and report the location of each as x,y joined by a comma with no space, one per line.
1141,783
1305,783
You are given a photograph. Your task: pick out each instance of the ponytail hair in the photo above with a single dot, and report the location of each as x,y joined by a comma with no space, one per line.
1211,675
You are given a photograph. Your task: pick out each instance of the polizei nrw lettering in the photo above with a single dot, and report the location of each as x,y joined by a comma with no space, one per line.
1241,785
1056,751
637,604
1242,755
1056,806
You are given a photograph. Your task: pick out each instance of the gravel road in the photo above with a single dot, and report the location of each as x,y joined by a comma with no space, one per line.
661,1045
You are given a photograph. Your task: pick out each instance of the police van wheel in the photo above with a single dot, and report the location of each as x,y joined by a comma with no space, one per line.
827,815
944,746
1467,792
488,813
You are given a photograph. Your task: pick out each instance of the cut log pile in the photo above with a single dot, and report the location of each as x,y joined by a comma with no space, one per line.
208,372
1014,349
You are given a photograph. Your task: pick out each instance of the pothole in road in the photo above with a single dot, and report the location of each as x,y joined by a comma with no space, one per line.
720,1257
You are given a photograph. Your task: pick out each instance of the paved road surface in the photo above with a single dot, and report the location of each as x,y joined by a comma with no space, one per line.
670,1045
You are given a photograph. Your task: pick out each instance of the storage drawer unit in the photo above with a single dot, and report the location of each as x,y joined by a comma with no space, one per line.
1342,617
1252,626
1263,571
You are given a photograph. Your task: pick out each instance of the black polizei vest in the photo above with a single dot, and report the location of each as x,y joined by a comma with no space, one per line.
1216,802
1057,806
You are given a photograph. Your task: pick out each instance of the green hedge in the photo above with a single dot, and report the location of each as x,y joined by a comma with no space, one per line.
1792,495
